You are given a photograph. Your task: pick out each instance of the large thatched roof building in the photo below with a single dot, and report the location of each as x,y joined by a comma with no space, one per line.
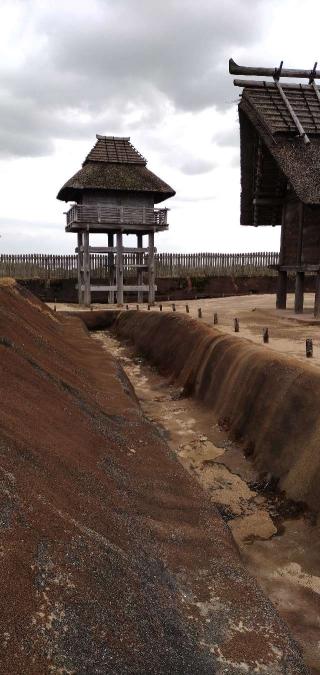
280,168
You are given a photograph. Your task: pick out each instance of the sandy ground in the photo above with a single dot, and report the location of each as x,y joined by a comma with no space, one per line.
287,331
279,544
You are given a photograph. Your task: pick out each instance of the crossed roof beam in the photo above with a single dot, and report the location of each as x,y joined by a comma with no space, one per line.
276,74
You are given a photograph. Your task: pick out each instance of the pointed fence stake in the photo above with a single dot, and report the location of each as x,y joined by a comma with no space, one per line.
236,325
199,313
265,335
215,318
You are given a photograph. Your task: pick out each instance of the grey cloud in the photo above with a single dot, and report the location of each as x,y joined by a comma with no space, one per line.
100,63
197,166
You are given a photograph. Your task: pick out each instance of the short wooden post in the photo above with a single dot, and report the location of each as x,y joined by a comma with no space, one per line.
138,308
298,298
160,307
309,348
215,318
151,268
265,335
317,297
127,307
119,269
111,268
149,307
173,307
187,309
282,290
236,325
86,269
140,270
199,313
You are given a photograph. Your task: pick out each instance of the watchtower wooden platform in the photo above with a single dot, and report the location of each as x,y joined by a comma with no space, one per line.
115,193
280,168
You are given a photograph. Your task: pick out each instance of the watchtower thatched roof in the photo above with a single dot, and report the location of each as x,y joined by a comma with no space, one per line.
115,164
280,148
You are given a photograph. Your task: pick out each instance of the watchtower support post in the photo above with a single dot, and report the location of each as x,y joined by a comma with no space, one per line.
86,269
80,268
111,267
151,268
140,270
119,269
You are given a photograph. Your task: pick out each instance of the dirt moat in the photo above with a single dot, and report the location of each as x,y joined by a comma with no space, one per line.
114,558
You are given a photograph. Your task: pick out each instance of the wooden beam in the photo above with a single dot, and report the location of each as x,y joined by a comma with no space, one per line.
299,293
151,271
139,249
80,268
317,297
294,117
261,84
113,249
129,289
235,69
86,269
126,228
282,290
110,251
119,269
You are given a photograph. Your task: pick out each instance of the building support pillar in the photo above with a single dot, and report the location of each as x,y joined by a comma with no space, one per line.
282,290
140,262
80,269
151,268
299,292
111,268
317,297
86,269
119,269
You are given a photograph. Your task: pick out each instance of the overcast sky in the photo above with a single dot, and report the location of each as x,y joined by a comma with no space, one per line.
156,71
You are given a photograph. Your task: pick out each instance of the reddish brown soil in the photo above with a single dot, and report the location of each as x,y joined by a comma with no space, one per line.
112,558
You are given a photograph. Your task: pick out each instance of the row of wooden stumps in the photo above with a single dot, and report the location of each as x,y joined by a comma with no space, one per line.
299,293
236,325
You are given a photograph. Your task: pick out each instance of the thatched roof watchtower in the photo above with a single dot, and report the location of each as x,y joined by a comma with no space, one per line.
280,168
115,193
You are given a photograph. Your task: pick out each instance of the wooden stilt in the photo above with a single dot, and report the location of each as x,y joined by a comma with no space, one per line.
80,268
298,300
119,269
140,271
86,269
282,290
317,297
111,268
151,267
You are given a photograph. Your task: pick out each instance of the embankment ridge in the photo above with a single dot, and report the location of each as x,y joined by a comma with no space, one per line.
269,402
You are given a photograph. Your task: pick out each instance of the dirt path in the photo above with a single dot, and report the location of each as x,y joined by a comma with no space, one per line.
279,542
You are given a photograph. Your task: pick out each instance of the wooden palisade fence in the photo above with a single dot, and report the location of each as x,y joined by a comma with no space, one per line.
50,267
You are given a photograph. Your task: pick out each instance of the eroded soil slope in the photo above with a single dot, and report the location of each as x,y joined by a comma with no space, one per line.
113,560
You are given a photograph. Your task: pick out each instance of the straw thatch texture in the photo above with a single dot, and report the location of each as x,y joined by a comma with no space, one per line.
286,162
114,164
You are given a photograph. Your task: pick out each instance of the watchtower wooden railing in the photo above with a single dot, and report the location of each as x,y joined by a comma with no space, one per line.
101,213
175,265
